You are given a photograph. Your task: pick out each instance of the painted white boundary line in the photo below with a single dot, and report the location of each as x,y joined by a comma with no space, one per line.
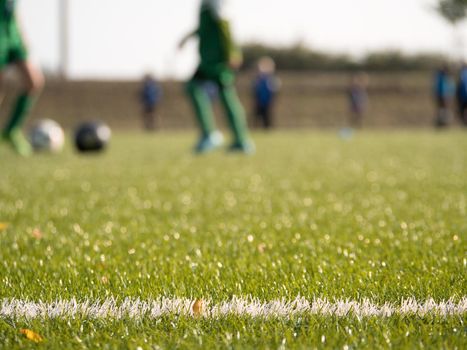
250,307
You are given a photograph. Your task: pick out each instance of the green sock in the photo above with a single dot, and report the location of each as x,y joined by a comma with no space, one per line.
19,113
202,106
235,113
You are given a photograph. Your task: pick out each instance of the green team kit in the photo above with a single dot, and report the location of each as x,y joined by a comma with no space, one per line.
13,50
217,51
11,46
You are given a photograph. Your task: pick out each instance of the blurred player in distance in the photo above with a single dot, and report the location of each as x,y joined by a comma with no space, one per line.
444,89
358,98
265,88
150,96
462,94
219,58
13,51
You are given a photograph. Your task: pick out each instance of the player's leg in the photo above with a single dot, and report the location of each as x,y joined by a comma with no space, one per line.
33,82
356,115
148,118
4,53
156,123
236,117
2,97
210,138
267,116
202,106
257,116
2,91
464,113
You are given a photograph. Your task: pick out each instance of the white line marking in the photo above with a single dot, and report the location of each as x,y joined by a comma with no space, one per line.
249,307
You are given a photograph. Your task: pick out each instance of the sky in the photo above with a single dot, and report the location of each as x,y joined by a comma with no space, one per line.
122,39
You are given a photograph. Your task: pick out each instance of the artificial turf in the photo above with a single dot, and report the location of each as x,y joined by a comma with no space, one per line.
380,216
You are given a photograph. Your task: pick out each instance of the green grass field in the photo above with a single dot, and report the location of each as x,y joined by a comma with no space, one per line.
381,217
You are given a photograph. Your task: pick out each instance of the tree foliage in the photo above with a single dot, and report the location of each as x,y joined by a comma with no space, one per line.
454,11
301,58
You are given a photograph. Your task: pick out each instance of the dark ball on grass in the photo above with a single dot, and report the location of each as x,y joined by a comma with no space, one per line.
92,137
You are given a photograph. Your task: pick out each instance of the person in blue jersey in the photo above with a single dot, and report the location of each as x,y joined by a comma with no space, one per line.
265,89
462,94
13,51
150,96
444,89
358,98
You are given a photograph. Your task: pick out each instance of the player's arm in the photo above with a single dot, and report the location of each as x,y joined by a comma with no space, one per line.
232,51
186,38
19,27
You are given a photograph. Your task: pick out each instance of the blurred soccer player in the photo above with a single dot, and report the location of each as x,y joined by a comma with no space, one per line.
358,99
265,89
13,51
150,96
444,89
462,94
219,58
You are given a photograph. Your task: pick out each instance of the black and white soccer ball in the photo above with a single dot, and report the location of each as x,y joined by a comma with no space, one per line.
92,136
47,136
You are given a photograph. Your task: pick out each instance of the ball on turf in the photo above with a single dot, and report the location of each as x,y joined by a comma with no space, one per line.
92,137
47,136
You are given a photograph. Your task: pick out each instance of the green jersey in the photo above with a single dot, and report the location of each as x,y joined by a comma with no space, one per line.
218,55
216,45
7,11
11,44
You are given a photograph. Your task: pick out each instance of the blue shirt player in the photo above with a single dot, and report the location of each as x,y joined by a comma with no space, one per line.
444,90
150,95
462,94
265,89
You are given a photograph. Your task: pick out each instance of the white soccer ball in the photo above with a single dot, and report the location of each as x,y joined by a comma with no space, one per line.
47,136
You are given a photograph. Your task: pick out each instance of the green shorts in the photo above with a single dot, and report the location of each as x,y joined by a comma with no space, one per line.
220,74
12,48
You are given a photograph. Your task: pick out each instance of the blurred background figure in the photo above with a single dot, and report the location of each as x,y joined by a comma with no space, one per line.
220,57
13,51
265,88
462,94
444,90
358,98
150,96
